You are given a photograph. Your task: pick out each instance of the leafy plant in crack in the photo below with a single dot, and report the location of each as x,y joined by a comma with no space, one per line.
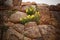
32,15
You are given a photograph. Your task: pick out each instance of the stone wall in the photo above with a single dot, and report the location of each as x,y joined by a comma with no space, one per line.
48,28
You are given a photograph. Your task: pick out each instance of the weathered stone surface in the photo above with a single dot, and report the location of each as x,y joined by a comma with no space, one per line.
49,20
48,32
58,6
26,38
13,32
9,24
31,30
9,4
54,8
55,16
25,3
23,8
39,32
16,16
30,24
19,28
44,15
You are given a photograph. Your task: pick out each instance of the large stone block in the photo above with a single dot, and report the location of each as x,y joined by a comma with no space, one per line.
16,16
39,32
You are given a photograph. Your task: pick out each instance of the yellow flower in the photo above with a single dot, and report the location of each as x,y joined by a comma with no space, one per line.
25,18
38,12
31,9
28,16
27,10
32,16
21,19
35,12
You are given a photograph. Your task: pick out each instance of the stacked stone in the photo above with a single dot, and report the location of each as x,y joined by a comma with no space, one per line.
30,31
55,12
6,7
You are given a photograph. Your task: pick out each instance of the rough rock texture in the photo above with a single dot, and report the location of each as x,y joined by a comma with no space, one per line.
55,12
49,24
45,14
54,8
16,16
9,4
47,30
32,32
56,15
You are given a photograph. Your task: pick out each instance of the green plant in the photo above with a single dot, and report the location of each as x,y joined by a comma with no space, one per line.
26,19
37,17
32,15
30,11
